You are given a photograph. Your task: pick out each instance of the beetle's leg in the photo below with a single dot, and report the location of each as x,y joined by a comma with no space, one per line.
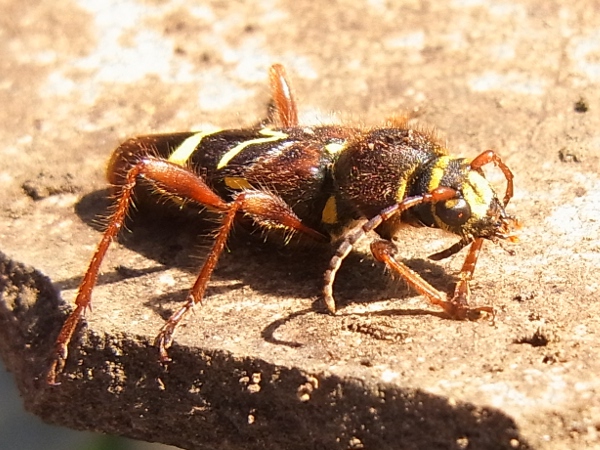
283,97
462,291
170,179
177,181
268,211
385,251
165,336
458,306
360,231
447,253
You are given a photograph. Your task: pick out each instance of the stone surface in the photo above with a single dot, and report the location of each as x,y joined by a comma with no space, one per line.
259,366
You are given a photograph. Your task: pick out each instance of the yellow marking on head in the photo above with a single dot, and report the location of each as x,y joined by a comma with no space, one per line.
437,172
329,214
478,193
182,153
237,183
334,147
272,136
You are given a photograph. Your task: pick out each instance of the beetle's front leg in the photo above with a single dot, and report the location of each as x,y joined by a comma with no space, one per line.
458,306
352,236
462,291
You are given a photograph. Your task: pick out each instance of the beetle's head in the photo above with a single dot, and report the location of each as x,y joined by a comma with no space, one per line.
476,211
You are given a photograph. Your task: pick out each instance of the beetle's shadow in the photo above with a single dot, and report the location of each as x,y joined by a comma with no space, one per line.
182,239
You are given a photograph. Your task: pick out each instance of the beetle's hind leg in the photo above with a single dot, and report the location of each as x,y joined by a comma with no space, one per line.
172,179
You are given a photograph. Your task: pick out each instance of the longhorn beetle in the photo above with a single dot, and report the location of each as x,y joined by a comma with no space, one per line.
322,182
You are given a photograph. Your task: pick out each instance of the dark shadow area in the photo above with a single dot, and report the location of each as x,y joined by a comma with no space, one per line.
182,238
115,385
268,333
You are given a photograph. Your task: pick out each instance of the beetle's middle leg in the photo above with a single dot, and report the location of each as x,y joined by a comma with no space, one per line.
268,211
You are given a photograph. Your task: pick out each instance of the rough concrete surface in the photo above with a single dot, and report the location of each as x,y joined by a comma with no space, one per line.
259,365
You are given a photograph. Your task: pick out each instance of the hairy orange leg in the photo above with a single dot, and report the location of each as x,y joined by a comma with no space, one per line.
180,182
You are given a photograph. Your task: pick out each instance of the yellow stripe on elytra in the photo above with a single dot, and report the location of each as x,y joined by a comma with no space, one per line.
271,136
237,183
329,214
182,153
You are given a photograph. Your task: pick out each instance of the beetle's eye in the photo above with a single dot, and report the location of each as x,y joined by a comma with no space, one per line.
453,212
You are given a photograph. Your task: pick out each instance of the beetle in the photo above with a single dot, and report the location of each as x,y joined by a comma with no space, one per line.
329,183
